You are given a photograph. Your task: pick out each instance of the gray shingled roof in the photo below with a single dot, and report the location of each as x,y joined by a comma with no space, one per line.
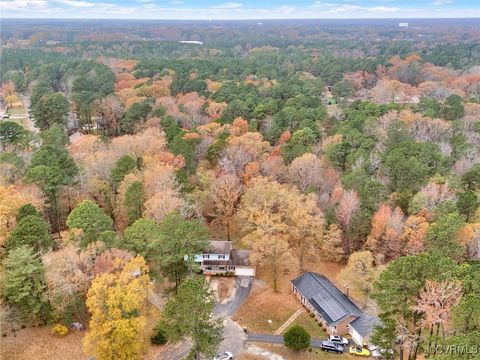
364,324
326,298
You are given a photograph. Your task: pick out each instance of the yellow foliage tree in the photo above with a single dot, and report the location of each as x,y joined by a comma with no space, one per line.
11,199
282,217
117,302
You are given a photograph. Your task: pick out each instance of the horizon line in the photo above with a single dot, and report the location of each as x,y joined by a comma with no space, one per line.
244,19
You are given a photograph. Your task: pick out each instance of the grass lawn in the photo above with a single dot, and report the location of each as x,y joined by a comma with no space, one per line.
263,305
310,325
314,354
16,111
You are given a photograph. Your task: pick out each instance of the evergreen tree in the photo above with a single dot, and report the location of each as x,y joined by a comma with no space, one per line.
33,231
23,283
190,314
91,219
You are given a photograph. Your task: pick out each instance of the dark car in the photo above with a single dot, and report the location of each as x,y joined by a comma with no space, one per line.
330,346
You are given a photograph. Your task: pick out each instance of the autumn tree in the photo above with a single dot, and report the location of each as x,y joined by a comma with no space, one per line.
110,260
347,206
67,282
306,172
385,236
225,193
279,215
400,283
190,314
11,200
414,233
88,217
359,275
436,302
117,302
332,246
23,283
110,110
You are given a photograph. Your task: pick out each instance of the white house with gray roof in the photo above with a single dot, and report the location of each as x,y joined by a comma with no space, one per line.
220,259
335,310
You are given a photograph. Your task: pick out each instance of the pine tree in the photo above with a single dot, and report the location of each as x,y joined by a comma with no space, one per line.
190,314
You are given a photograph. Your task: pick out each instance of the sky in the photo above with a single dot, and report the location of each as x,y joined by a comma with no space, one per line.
237,9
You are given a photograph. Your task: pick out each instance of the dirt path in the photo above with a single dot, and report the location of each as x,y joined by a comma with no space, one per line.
287,323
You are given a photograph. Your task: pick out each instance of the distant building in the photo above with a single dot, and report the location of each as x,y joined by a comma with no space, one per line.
191,42
403,24
219,258
338,314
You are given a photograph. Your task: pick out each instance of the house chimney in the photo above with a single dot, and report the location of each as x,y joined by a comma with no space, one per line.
346,286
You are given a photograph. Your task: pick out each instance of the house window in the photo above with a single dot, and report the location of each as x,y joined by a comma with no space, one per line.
221,256
206,256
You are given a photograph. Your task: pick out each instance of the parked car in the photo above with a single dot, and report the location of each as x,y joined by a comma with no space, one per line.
358,351
4,116
331,346
227,355
338,339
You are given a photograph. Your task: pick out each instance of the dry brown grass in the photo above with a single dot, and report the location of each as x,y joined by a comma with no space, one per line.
262,305
37,343
250,357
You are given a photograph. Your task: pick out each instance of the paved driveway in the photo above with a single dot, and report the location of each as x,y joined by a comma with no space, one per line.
234,338
243,285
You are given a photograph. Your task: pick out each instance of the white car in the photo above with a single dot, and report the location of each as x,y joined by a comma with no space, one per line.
227,355
338,339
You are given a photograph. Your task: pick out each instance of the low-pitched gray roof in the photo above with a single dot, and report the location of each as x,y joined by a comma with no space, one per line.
364,324
333,305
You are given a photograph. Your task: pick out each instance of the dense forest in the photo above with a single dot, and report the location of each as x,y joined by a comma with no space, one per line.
304,146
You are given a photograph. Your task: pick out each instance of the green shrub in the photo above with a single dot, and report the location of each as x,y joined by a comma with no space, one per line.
159,336
297,338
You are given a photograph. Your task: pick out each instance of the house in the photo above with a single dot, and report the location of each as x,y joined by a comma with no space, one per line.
335,310
219,258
